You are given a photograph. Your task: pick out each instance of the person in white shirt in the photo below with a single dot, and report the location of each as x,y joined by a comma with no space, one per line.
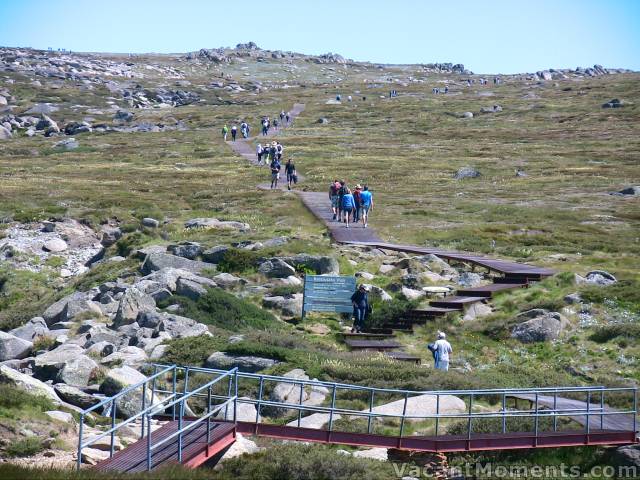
259,154
443,350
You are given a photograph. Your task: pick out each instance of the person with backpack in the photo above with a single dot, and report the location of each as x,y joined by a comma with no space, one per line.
279,149
281,116
348,205
366,205
275,124
234,132
225,132
243,129
275,172
334,198
288,117
358,203
265,127
360,302
290,171
259,154
441,351
341,191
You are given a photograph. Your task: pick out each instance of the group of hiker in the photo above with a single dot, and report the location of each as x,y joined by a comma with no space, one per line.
440,349
349,205
271,154
266,124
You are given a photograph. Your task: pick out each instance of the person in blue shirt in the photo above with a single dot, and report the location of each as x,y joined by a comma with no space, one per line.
348,205
360,301
366,204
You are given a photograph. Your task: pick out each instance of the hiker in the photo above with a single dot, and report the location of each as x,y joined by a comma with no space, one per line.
441,350
279,149
259,154
446,89
356,197
225,132
349,98
273,151
360,302
281,116
366,204
243,129
341,191
348,205
333,196
338,97
275,173
290,171
265,127
275,124
288,117
234,132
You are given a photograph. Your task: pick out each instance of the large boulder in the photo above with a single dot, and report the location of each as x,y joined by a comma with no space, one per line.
321,264
411,294
289,305
130,356
421,406
5,133
12,347
26,383
132,303
285,392
470,279
214,223
54,313
190,250
80,371
245,412
75,396
226,280
48,365
600,277
34,328
117,380
159,261
626,456
276,268
538,325
245,363
215,254
173,325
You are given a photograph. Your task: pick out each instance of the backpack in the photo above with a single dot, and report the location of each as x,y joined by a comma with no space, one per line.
434,350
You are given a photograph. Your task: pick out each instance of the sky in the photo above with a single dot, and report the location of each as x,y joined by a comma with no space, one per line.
487,36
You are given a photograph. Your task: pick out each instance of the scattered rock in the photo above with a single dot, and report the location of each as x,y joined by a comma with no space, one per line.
573,299
67,144
12,347
411,294
290,305
384,268
5,133
538,326
119,378
276,268
377,453
59,416
27,384
214,223
150,222
128,356
467,115
600,277
190,250
365,275
34,328
159,261
123,115
476,310
470,279
421,406
626,456
321,264
131,304
614,103
75,396
48,365
467,172
214,254
80,371
245,363
55,245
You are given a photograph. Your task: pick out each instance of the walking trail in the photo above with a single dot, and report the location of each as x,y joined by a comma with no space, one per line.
319,204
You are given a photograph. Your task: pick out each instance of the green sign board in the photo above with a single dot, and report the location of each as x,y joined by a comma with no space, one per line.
328,293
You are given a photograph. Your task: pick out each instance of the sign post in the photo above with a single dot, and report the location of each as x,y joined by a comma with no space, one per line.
328,293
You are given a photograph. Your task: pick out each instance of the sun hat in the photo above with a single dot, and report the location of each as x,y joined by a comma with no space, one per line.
442,335
358,186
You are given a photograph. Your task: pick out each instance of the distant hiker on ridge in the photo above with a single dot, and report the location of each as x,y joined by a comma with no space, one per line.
225,132
234,132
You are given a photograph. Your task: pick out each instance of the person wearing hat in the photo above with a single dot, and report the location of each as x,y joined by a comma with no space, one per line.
360,301
442,350
356,198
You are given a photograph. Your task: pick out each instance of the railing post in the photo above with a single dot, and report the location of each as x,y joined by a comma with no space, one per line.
536,422
370,410
80,432
209,417
437,413
300,404
149,444
260,390
404,412
588,427
635,411
153,384
469,422
504,413
333,406
602,409
226,411
555,410
175,382
235,399
144,406
113,426
181,410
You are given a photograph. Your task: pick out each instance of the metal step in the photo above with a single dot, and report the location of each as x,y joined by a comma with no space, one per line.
372,344
457,302
487,291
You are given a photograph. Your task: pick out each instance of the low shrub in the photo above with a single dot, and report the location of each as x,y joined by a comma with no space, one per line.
25,447
626,293
191,350
385,312
237,260
630,331
227,311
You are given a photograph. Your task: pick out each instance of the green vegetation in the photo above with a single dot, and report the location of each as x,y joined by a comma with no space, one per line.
25,447
222,309
16,403
236,260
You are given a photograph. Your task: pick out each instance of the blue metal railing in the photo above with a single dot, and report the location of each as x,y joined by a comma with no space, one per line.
476,403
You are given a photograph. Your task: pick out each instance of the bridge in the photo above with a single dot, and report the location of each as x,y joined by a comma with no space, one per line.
197,414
